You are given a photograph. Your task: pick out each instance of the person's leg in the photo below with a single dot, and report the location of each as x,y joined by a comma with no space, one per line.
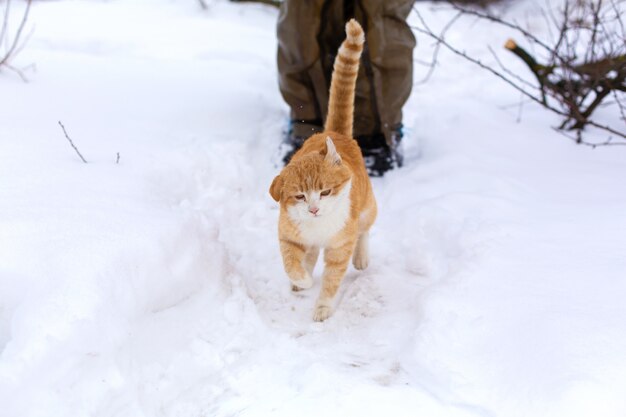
391,42
388,65
301,79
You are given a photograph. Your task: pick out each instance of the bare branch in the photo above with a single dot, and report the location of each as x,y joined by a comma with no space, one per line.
15,45
579,139
18,71
5,20
500,21
443,42
72,143
433,62
585,65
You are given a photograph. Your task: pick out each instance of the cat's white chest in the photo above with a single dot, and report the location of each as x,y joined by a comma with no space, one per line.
320,231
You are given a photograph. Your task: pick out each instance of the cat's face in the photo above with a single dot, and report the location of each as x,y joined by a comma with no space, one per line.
321,202
313,186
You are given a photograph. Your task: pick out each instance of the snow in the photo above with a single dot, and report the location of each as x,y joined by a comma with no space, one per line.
154,286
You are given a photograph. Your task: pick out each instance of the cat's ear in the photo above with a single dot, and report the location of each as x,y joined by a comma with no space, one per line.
276,188
331,152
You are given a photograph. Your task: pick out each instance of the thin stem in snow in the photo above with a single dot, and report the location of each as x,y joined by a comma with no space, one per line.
72,143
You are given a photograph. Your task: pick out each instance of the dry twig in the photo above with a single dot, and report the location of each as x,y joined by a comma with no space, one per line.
15,45
72,143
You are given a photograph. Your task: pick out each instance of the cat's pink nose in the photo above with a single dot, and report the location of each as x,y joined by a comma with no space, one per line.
314,210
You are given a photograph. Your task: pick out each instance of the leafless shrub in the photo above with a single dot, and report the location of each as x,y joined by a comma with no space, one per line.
12,42
577,68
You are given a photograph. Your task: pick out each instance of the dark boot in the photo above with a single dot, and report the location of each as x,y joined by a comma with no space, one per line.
378,155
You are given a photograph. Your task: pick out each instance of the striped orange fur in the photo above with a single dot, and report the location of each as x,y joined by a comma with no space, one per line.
343,82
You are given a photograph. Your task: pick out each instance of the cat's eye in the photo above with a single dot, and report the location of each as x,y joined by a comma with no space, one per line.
300,197
325,193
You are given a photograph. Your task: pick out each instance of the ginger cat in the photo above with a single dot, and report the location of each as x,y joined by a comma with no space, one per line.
325,195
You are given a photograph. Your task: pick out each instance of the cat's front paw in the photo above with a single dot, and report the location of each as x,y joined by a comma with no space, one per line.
360,260
322,311
303,283
361,256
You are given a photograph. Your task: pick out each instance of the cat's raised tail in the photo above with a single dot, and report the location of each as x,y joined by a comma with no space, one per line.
343,83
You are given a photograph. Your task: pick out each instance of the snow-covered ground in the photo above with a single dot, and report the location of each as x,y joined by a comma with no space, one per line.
154,286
